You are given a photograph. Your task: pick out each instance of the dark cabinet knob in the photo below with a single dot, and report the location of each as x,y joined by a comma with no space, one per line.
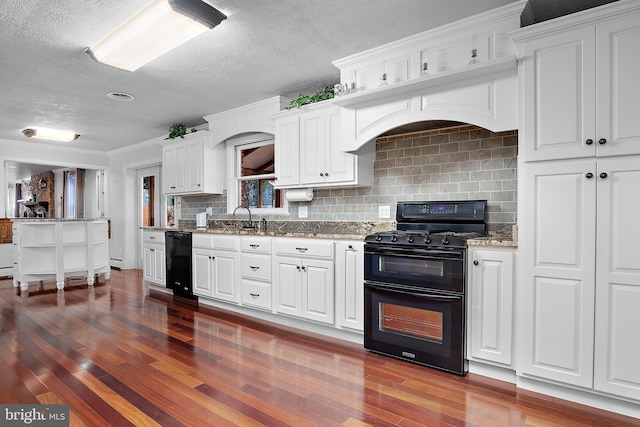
589,141
589,175
603,175
326,174
475,262
602,141
350,246
321,174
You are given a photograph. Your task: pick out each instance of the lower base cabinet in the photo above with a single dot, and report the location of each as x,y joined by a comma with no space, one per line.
350,285
490,305
215,274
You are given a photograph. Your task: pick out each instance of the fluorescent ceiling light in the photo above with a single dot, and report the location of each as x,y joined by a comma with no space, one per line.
158,28
50,134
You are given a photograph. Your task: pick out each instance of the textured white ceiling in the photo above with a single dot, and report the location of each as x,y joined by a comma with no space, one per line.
263,49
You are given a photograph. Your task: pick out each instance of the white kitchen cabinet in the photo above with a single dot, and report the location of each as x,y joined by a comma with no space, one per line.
154,265
303,277
308,150
349,285
581,89
581,269
191,166
216,271
617,349
490,305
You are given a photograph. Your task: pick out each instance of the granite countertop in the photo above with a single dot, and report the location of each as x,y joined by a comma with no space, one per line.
334,230
499,236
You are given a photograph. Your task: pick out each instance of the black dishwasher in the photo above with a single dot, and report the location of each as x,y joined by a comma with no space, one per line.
178,259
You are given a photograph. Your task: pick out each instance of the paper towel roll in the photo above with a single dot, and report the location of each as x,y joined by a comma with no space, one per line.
201,220
300,195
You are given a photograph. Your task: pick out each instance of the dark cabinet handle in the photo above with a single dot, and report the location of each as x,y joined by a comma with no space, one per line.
326,174
254,267
298,267
350,246
589,175
589,141
603,175
602,141
475,263
254,246
304,268
302,249
254,295
321,174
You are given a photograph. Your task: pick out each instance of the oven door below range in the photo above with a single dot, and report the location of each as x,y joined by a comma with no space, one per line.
419,326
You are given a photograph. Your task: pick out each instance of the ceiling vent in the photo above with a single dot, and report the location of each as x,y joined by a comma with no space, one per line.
121,96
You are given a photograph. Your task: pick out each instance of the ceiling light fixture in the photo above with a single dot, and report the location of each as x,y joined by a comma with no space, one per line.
50,134
155,30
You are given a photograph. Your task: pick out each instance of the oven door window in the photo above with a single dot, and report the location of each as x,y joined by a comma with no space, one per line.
423,271
411,322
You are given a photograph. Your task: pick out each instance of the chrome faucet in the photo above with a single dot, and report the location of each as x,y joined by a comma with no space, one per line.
245,225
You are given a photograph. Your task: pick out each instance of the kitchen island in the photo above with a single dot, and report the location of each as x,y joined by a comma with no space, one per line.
59,248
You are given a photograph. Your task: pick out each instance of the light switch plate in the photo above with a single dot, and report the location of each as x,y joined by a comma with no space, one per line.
303,211
384,212
209,211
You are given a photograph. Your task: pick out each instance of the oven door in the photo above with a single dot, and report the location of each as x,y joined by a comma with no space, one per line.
419,326
442,269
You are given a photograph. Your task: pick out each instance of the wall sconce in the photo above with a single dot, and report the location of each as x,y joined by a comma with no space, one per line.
43,183
158,28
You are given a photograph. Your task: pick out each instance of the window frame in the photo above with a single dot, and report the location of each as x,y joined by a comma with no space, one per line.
232,149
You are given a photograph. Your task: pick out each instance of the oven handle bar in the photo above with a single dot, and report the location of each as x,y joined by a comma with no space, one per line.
414,252
413,292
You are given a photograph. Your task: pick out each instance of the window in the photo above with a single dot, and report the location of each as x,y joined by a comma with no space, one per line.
253,181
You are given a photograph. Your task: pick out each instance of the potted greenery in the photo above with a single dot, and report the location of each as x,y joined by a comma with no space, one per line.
321,95
178,130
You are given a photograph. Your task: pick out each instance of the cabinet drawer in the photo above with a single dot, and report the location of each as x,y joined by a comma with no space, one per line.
305,247
256,266
229,243
256,245
153,237
256,294
202,240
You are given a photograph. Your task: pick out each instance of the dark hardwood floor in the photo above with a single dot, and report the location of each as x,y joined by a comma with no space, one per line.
121,357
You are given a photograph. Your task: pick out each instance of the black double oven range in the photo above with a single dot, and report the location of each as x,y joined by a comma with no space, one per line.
415,283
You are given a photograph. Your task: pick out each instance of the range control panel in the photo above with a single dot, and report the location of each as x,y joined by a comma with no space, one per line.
467,210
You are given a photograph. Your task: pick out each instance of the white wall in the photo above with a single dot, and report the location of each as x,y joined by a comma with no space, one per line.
121,201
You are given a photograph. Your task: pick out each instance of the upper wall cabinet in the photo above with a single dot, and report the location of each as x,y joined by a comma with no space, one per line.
470,77
308,151
580,85
191,166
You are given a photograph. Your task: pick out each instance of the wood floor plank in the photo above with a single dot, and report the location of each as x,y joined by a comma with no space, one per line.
120,355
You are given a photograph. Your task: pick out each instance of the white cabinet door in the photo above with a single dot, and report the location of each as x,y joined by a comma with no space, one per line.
312,148
490,306
618,89
349,285
287,286
226,282
160,265
194,165
318,290
287,151
149,262
558,72
174,158
203,272
617,348
340,166
557,243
